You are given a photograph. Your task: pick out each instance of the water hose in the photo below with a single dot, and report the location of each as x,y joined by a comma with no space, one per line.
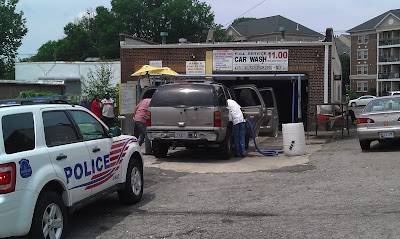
272,152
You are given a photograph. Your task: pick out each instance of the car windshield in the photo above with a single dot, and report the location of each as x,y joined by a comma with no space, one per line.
383,104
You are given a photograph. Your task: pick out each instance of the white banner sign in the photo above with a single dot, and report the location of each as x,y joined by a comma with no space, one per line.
251,60
222,60
195,67
127,97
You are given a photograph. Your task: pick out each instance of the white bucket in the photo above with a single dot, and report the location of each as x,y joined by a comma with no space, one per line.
294,139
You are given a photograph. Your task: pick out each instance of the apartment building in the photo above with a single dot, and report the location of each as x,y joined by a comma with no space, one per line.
375,55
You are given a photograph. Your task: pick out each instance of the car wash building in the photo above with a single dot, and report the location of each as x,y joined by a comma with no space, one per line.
308,71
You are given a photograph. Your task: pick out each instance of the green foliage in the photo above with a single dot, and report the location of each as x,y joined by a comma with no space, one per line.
12,29
98,82
353,95
32,94
97,33
372,91
242,19
220,34
74,99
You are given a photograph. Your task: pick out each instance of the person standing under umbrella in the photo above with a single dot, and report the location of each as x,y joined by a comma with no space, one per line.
140,120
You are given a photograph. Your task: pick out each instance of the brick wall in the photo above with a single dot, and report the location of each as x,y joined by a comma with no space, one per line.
307,60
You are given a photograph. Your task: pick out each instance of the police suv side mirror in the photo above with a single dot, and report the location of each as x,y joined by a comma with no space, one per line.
114,131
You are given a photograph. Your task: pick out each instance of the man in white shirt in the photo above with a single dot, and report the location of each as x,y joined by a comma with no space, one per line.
108,111
239,127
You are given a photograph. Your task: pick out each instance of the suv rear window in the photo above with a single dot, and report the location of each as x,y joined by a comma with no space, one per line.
184,96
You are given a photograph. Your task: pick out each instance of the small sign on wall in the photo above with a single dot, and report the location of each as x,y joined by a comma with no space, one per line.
195,67
222,60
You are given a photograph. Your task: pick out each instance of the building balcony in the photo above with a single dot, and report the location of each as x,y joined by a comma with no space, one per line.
389,75
389,58
389,41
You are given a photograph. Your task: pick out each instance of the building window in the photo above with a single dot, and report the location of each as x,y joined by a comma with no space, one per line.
362,86
386,35
362,70
363,39
386,86
362,54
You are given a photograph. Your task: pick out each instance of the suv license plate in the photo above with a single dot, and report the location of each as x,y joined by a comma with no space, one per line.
181,135
386,135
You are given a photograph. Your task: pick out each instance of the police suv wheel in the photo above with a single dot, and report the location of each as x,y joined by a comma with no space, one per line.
50,217
133,190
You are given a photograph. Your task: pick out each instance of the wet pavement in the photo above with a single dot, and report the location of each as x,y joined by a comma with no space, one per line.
208,160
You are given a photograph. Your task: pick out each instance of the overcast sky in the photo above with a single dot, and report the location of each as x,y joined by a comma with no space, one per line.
46,18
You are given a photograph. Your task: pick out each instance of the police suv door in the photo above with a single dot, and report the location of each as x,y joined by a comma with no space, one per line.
252,104
103,153
68,154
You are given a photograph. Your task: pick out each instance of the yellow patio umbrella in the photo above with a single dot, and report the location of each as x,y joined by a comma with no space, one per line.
166,71
145,70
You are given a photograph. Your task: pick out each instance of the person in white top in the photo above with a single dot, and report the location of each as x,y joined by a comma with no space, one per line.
108,111
239,127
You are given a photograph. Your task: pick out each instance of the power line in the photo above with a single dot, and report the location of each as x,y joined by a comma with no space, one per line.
245,12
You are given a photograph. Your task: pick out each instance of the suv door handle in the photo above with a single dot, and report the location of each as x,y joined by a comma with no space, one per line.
61,157
95,149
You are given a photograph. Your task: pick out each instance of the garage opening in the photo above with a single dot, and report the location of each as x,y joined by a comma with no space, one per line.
283,94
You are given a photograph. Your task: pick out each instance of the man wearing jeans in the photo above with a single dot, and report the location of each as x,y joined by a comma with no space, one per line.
239,127
140,121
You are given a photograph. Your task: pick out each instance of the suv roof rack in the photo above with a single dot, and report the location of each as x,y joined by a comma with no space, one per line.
200,81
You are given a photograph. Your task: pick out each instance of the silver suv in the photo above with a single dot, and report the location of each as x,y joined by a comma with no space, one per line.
188,114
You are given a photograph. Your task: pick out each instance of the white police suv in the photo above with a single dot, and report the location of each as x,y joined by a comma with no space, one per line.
56,158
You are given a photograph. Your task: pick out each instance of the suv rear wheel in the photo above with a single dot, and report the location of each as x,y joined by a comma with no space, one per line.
50,216
160,150
226,146
365,144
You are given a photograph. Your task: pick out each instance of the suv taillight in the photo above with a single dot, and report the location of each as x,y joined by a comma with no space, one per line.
7,177
148,118
217,119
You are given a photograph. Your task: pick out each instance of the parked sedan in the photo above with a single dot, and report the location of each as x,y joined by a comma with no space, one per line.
380,120
363,100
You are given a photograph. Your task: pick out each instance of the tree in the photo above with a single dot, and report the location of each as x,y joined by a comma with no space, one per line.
188,19
97,33
12,30
98,82
242,19
47,52
220,34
